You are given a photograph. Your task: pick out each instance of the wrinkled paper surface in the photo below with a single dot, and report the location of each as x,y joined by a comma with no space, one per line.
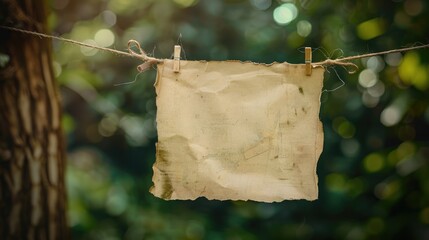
237,130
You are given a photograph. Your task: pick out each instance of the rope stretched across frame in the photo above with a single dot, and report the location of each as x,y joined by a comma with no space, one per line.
149,61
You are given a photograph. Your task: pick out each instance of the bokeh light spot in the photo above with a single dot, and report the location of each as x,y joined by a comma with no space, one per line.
402,20
336,182
285,13
371,28
411,71
109,18
388,190
350,147
104,37
369,100
413,7
87,51
346,129
303,28
405,150
375,63
135,130
393,59
108,125
377,90
343,127
407,69
390,116
374,162
367,78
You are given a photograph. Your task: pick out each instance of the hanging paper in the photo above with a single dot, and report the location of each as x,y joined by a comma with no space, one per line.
237,130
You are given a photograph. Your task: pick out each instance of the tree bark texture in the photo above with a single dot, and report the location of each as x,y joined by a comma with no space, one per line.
32,154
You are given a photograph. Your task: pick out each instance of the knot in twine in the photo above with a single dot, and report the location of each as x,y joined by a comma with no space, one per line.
147,61
349,66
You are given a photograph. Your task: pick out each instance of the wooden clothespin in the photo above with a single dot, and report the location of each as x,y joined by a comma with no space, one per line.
176,66
308,57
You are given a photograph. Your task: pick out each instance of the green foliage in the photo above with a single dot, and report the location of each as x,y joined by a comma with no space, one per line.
373,173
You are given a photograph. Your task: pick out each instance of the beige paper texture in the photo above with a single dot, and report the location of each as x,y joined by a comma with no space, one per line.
239,131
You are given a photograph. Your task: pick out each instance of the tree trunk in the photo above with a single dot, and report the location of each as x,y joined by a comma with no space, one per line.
32,155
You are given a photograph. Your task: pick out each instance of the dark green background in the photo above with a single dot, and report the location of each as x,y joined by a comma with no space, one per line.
373,172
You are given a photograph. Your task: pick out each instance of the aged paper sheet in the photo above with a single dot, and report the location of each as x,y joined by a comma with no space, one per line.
237,130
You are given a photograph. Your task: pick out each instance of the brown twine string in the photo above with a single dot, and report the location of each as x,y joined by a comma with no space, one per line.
337,61
149,61
344,61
